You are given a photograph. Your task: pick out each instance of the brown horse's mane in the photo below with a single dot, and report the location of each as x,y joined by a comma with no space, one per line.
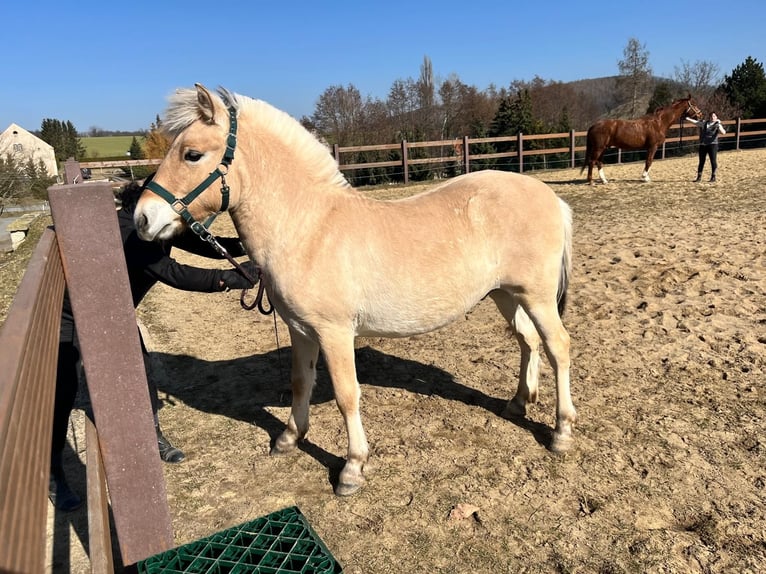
658,111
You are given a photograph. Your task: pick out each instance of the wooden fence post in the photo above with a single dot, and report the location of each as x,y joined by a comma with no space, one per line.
520,151
572,147
97,278
466,155
405,166
738,128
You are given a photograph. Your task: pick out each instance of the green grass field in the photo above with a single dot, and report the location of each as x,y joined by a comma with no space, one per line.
107,146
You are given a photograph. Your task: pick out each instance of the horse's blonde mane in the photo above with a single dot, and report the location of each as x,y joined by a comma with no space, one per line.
183,110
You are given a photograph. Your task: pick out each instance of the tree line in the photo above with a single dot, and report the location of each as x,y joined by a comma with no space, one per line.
428,108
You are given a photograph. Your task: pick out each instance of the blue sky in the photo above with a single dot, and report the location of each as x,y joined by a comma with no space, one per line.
112,64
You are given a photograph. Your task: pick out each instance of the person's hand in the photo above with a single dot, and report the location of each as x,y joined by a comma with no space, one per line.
234,279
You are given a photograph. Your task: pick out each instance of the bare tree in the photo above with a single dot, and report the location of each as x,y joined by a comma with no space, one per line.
700,78
426,93
338,114
635,75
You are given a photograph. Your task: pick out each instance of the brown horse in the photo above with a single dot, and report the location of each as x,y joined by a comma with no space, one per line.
647,132
337,264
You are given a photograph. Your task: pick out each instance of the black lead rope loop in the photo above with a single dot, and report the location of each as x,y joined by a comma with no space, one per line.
257,302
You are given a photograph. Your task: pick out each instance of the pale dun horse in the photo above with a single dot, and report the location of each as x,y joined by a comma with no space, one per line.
337,265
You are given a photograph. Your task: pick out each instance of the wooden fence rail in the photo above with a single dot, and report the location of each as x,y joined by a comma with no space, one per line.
520,147
84,253
458,152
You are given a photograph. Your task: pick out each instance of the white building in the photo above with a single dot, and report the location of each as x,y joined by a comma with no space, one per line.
22,146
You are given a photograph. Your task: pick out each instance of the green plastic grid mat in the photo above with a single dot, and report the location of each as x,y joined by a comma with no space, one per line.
282,542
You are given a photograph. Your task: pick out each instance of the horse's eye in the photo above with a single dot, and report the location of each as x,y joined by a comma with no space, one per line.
192,155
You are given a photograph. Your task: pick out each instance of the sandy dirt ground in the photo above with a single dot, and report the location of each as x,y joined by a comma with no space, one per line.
667,314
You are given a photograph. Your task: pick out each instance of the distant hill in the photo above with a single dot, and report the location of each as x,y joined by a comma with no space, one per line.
603,92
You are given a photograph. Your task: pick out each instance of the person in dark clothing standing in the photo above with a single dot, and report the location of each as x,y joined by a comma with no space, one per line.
148,263
709,131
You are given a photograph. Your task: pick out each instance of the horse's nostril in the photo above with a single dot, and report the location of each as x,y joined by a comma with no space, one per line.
141,221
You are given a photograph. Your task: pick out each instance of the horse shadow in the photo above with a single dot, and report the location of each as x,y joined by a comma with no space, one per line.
242,388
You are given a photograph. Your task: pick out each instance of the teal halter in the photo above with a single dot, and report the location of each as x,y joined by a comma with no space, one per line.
181,206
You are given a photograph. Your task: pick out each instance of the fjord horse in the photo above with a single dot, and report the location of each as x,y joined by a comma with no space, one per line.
647,132
337,265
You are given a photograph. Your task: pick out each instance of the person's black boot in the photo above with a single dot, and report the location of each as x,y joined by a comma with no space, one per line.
59,493
168,453
699,178
712,178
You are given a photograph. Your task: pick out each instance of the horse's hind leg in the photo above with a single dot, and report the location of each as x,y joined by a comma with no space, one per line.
529,341
555,339
302,377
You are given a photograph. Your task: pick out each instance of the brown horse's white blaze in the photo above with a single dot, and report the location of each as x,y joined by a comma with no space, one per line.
338,265
645,133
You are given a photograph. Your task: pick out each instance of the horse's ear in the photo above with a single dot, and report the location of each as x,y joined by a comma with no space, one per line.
205,101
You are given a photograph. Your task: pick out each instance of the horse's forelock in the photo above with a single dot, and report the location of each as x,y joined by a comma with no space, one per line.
183,108
182,111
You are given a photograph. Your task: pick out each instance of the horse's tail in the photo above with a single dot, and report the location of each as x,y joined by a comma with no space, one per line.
566,257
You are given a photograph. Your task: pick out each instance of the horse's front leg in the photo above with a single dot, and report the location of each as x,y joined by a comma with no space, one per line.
302,377
648,163
338,351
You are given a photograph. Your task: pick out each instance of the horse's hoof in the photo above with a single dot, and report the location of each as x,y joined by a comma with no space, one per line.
561,443
281,449
344,489
514,410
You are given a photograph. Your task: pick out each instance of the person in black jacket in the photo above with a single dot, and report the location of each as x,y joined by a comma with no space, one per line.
148,263
709,131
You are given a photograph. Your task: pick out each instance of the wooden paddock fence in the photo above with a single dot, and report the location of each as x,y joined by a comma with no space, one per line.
83,253
457,152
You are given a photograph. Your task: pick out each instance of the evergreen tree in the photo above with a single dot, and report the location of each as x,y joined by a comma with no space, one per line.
63,137
662,96
37,180
746,88
635,74
9,180
136,151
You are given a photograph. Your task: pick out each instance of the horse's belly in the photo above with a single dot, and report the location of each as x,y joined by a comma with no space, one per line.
405,319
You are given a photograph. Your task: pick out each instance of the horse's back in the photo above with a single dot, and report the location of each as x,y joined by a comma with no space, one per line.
500,185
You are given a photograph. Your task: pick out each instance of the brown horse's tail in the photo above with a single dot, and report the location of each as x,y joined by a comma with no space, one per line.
566,257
